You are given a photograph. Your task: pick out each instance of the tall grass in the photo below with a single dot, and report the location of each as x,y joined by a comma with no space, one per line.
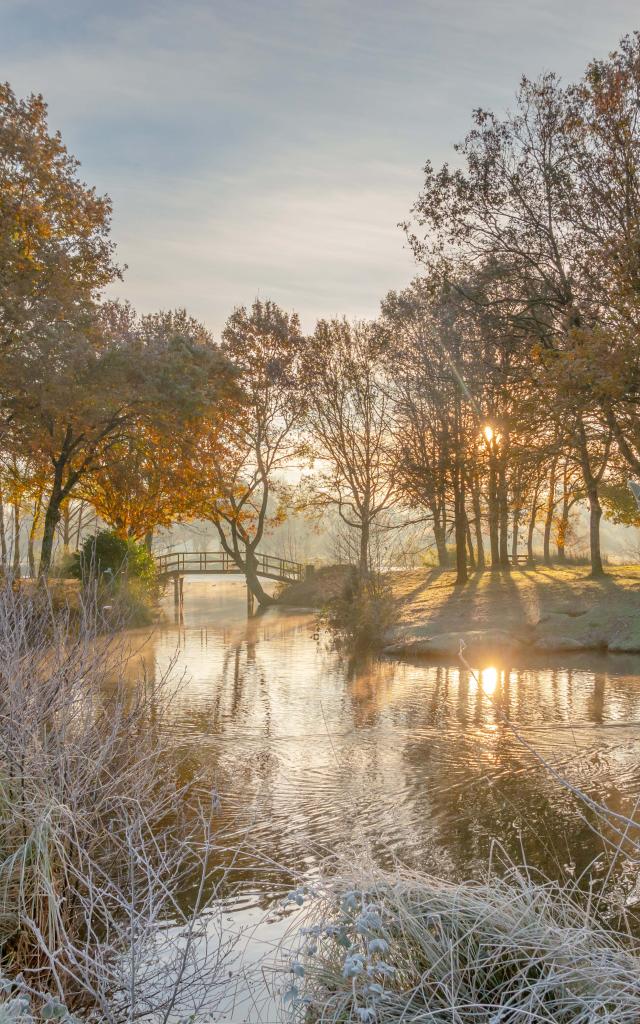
383,947
109,869
107,858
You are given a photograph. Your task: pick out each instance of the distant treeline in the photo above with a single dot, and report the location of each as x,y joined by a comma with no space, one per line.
490,397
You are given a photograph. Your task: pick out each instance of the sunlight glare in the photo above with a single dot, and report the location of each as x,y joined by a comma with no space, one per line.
488,433
489,680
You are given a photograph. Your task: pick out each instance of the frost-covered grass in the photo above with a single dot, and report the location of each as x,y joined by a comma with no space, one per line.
102,845
387,948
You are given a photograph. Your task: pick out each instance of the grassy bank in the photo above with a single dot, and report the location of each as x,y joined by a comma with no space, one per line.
545,609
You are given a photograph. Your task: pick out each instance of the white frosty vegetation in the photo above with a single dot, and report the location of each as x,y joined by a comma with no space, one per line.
517,949
108,858
391,947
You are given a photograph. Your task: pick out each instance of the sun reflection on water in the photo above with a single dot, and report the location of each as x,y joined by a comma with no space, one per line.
484,680
489,680
316,751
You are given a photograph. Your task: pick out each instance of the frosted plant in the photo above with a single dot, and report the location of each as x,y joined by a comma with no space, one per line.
109,863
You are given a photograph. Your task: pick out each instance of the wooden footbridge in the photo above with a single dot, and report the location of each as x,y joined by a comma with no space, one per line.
175,565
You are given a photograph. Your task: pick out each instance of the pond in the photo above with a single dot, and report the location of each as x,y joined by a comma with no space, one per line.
411,761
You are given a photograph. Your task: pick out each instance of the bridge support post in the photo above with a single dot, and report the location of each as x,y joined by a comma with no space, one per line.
250,601
178,595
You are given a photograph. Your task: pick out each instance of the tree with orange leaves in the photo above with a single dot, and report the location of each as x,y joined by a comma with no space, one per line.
243,457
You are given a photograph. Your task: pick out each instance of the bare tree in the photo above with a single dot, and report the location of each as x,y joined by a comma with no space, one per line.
243,460
349,414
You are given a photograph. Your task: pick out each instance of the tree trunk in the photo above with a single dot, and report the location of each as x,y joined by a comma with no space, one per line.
79,526
253,580
31,555
440,536
477,515
35,519
472,557
563,523
548,521
595,509
563,527
494,537
462,574
3,537
595,515
16,540
530,530
515,528
148,540
532,523
242,552
66,529
51,520
363,563
505,563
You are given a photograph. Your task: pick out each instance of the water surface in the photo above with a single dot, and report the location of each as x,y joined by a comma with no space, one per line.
415,761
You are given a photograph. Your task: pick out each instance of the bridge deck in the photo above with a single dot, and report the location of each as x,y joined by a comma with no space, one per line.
219,563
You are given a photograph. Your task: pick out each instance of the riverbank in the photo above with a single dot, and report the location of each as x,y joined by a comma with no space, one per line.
553,609
118,606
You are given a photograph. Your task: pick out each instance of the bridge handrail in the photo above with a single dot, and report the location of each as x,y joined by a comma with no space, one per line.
203,561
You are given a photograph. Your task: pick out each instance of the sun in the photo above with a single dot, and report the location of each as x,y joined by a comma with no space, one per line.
488,433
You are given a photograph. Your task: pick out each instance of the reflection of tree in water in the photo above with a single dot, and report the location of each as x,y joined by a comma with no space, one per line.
496,790
314,756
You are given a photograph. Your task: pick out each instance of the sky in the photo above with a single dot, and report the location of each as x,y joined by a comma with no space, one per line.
271,147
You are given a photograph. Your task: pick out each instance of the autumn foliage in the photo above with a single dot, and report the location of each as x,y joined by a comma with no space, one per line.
493,399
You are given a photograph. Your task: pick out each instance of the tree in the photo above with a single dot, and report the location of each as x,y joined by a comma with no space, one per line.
55,251
149,478
511,204
419,450
141,482
243,458
456,383
349,418
604,145
22,482
109,381
620,504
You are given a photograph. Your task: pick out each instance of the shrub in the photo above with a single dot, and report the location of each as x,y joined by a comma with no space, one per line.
125,573
107,554
363,614
102,841
386,948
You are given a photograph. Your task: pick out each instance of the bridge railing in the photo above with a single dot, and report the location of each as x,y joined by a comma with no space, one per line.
271,564
220,562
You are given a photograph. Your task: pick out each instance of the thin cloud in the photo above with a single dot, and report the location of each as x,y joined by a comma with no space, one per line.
272,147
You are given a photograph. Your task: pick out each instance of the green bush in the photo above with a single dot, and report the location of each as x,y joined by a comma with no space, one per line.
107,555
125,575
